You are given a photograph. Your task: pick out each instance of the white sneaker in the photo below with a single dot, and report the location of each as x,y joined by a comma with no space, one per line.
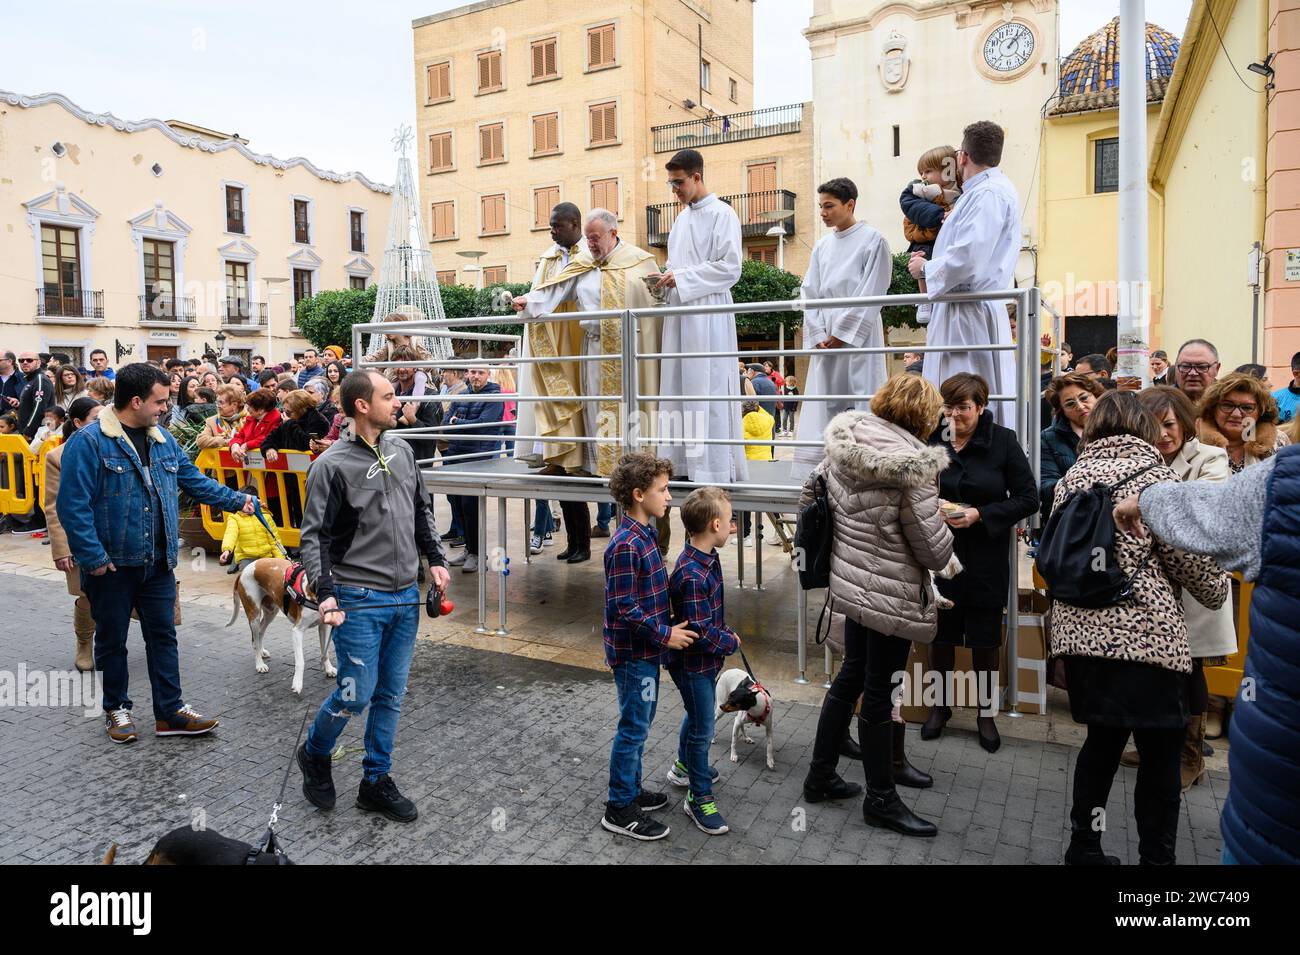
470,566
923,314
534,545
459,559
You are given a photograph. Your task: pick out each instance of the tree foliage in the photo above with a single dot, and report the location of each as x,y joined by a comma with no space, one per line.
327,317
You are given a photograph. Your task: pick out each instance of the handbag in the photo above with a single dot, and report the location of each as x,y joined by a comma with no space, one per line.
812,538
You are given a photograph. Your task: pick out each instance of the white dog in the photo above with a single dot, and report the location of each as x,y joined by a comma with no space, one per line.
259,589
737,692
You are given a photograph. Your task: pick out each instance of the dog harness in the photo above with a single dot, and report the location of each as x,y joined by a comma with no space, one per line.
767,703
295,576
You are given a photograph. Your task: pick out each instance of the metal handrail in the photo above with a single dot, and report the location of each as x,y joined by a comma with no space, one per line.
1026,400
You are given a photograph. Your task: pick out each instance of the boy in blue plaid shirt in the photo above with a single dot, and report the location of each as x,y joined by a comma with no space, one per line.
638,637
695,591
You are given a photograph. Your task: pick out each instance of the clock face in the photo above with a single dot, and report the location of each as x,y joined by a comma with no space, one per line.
1009,47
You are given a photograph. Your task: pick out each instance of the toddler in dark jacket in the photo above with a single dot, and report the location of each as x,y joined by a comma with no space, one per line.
925,203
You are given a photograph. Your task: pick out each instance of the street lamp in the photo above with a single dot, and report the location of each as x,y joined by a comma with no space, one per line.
474,255
777,217
221,343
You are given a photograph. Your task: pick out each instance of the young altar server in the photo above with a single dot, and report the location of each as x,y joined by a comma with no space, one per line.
703,265
852,261
976,251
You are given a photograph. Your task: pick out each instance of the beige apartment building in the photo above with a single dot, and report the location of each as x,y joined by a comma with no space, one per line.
522,104
159,239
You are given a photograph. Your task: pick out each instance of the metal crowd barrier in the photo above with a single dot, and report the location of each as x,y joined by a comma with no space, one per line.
777,497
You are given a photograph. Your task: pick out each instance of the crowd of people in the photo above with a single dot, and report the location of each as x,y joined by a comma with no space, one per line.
922,471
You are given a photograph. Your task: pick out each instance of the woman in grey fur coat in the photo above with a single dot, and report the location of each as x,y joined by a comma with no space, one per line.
888,534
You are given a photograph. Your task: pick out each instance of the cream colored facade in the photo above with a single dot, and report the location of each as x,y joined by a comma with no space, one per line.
1223,159
1078,236
115,233
915,73
655,78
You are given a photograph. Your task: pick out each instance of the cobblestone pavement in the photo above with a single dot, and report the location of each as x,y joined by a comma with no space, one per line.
506,757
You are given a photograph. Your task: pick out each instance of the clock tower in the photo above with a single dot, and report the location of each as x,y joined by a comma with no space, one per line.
892,78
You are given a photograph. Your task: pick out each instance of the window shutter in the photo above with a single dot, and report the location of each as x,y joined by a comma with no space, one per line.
484,73
593,48
495,60
549,63
539,60
553,132
498,142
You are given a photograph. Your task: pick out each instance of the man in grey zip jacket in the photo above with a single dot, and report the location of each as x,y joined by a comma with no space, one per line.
366,523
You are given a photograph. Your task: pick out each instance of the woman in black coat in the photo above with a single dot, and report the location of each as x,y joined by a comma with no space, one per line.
990,477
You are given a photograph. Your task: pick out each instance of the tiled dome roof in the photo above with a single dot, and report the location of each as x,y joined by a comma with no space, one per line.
1093,65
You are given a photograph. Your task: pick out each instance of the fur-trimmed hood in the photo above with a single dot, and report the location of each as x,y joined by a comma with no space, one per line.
866,449
1263,446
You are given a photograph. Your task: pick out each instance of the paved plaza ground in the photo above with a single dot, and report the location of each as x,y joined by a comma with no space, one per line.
504,746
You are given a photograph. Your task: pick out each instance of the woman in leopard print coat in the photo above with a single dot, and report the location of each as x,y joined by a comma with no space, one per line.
1127,664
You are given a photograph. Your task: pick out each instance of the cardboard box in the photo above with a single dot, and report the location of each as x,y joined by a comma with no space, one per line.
1032,641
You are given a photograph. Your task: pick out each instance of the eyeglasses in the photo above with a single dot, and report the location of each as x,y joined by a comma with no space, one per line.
965,406
1246,408
1201,367
1077,403
676,183
25,361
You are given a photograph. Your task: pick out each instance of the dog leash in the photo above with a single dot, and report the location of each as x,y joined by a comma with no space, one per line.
268,845
257,510
745,660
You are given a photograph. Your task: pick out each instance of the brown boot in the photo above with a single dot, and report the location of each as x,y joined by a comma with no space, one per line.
84,627
1192,762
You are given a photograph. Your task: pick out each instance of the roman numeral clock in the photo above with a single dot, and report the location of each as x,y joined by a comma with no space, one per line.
1007,50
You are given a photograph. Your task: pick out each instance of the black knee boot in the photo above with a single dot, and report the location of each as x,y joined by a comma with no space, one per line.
822,782
882,807
1085,840
905,774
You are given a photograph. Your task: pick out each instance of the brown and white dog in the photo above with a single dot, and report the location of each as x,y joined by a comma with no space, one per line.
259,589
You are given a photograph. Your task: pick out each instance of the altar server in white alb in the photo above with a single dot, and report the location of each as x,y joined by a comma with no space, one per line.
853,261
703,265
976,251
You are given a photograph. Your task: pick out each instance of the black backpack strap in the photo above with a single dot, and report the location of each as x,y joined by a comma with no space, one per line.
817,634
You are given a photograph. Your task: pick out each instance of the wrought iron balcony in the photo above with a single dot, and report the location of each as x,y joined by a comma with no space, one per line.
166,309
751,209
714,130
244,317
79,308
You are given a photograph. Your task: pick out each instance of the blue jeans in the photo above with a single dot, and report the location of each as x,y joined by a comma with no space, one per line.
604,514
696,734
543,519
634,681
455,529
374,648
151,592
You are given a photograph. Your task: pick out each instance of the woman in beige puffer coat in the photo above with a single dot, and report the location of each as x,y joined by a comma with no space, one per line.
888,534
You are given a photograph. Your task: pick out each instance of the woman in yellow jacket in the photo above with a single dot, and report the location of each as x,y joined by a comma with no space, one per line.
247,540
758,426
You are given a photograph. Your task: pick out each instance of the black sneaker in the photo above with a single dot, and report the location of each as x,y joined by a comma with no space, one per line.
317,778
382,796
631,820
651,801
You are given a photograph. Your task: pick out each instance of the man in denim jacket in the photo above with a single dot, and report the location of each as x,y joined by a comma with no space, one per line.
118,504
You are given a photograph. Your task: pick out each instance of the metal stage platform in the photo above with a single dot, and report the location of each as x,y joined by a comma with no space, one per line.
771,490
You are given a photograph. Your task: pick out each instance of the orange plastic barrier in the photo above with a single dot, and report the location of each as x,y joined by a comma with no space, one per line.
19,486
282,488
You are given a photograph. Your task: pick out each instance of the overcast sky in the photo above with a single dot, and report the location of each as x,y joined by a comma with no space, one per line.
331,80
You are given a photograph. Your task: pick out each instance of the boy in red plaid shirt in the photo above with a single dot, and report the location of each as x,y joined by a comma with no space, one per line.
696,594
638,637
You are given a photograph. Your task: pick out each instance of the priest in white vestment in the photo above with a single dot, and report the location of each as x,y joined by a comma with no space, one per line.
852,261
976,251
703,265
